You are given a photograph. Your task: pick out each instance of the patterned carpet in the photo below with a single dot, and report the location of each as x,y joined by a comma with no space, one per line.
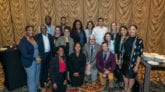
157,83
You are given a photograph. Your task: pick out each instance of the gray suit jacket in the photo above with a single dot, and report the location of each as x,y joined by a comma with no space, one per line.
86,50
61,41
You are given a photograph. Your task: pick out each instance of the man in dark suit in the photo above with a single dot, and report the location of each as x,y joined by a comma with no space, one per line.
90,50
45,46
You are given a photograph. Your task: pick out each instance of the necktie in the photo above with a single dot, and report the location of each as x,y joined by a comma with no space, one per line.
105,56
91,53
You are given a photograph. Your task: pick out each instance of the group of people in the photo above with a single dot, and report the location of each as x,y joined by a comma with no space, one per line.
58,55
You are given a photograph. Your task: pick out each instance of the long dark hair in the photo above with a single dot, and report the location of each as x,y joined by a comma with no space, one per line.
119,35
74,25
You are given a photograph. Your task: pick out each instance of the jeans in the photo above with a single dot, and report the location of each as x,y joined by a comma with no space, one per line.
33,73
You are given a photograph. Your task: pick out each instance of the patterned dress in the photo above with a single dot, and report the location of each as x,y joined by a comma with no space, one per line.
133,48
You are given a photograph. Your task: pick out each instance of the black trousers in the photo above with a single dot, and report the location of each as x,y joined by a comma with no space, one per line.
44,67
60,83
118,74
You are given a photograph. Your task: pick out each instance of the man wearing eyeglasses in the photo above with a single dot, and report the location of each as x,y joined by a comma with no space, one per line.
90,50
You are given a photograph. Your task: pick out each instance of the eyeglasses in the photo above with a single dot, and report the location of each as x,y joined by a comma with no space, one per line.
91,39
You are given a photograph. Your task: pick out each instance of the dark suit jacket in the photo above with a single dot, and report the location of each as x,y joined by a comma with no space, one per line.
54,70
40,43
110,63
77,64
76,37
27,52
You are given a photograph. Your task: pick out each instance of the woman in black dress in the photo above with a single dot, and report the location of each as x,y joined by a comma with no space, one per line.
77,63
133,49
58,71
120,38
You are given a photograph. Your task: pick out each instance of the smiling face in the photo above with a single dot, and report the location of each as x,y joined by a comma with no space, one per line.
48,20
108,37
77,47
78,25
90,25
105,47
132,31
63,21
123,31
29,31
67,32
92,39
113,25
43,29
57,30
60,51
100,22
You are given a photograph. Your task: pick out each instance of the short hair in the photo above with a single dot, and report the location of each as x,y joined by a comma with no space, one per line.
108,33
92,36
28,26
48,17
44,26
113,22
63,17
68,28
100,18
104,43
133,25
58,27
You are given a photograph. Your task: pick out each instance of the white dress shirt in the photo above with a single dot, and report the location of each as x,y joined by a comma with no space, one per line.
99,33
46,43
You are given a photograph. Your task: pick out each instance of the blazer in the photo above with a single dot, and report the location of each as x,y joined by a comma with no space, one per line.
40,43
77,64
86,50
27,52
52,28
54,70
76,37
110,63
61,41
